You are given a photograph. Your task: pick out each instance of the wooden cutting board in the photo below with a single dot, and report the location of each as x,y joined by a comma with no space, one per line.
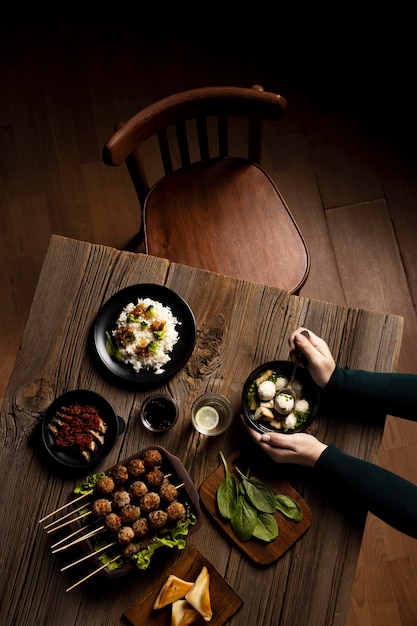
224,600
289,530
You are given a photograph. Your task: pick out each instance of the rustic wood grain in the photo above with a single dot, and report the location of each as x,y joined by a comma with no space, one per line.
239,326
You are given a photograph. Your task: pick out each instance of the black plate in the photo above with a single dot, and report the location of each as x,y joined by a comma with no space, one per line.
64,458
310,393
106,321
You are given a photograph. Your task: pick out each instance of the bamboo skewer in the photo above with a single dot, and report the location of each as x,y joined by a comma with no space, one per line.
65,505
93,573
88,556
80,539
76,532
68,522
80,508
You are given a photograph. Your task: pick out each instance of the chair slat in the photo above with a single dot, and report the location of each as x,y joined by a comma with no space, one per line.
183,143
203,142
165,152
223,135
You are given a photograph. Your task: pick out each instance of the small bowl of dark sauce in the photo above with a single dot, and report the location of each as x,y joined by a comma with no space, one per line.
159,413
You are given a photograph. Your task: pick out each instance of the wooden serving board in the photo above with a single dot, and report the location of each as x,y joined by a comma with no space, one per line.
225,602
289,530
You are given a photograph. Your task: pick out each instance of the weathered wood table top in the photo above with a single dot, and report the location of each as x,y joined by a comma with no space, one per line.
240,325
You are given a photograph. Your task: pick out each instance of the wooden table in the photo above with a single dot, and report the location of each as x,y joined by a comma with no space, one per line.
239,325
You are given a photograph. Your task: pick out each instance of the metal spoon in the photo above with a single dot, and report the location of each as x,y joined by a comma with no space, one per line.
288,390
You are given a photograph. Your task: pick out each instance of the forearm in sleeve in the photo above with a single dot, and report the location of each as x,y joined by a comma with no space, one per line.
376,392
386,495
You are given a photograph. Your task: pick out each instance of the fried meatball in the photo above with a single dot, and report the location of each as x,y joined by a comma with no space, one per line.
105,485
150,502
125,535
130,514
152,458
121,498
112,522
155,477
140,527
130,550
176,512
138,489
100,507
168,492
158,519
119,474
136,467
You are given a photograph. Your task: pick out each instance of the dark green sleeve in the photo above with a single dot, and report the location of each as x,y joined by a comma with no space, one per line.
386,495
386,393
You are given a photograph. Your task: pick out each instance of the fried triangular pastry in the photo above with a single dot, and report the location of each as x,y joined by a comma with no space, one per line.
173,589
183,613
199,595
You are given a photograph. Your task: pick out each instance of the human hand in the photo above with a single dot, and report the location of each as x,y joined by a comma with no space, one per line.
298,448
320,361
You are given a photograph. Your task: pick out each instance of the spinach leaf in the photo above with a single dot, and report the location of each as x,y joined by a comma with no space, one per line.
288,507
266,528
226,493
258,493
243,520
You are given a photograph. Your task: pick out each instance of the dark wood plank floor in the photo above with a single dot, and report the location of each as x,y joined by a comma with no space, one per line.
344,158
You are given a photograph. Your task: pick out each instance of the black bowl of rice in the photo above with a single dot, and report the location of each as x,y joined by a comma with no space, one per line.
260,394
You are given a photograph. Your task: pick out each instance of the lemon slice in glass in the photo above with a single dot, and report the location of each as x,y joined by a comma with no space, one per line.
207,418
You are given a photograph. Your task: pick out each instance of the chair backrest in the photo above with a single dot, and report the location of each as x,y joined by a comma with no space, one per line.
198,107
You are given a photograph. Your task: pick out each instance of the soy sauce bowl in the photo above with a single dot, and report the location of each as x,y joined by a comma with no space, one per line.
159,413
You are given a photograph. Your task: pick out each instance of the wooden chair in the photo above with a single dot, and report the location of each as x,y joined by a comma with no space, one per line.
210,208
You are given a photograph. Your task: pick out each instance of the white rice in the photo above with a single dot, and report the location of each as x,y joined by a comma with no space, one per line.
143,336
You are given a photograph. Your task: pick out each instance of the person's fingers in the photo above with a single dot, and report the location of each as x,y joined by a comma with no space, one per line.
305,345
296,332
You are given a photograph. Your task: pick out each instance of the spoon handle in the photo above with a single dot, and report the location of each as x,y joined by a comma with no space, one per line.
298,356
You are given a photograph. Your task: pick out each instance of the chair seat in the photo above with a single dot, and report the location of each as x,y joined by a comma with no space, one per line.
226,216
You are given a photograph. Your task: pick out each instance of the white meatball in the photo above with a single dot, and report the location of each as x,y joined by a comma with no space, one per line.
290,421
302,406
266,390
281,382
284,403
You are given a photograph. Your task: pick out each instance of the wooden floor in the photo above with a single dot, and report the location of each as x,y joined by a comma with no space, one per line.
344,158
